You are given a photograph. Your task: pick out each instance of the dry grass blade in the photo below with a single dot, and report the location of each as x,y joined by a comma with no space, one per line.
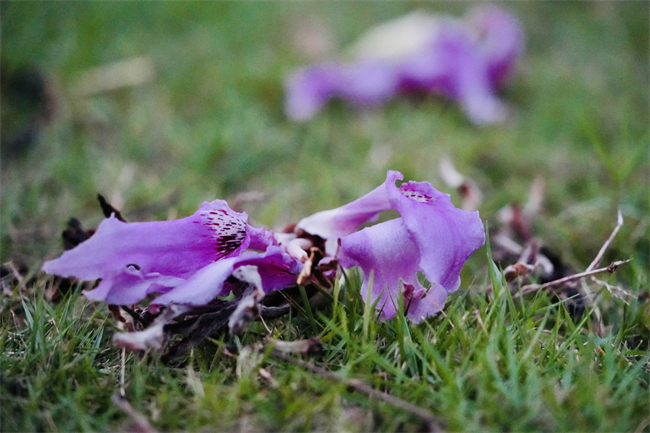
124,73
585,287
611,268
601,253
15,273
308,346
432,421
140,423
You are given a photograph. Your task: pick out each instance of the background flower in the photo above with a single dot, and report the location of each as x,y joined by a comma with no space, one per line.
463,59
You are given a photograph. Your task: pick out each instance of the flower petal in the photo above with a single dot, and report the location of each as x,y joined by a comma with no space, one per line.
368,83
362,83
445,235
465,59
202,287
473,88
130,287
308,89
426,303
131,257
340,222
387,252
432,237
396,39
276,268
501,42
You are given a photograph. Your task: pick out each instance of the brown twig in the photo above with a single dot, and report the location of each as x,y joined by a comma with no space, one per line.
122,373
431,420
140,423
611,268
600,328
16,274
601,253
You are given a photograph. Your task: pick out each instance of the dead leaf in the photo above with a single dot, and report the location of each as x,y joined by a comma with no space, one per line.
153,337
249,306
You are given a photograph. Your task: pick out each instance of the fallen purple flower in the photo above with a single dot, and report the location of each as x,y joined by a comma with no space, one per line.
216,252
337,223
466,60
136,259
431,236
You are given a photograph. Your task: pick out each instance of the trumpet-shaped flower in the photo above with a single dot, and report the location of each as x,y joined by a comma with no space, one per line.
193,260
462,59
135,259
431,236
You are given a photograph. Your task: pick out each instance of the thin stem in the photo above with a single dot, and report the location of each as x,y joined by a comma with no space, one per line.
601,253
611,268
432,420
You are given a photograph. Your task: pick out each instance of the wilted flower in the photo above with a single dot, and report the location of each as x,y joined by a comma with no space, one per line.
193,260
276,268
462,59
431,236
136,259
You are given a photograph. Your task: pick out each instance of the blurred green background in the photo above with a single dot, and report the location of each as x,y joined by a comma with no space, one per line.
209,122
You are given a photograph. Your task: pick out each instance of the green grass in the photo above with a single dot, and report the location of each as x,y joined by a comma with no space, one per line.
486,364
211,125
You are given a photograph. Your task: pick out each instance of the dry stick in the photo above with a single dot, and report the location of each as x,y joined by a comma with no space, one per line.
611,268
140,423
590,271
119,399
122,393
594,263
600,256
16,274
601,253
431,420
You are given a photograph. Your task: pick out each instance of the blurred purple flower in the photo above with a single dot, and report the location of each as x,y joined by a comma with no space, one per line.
431,236
466,60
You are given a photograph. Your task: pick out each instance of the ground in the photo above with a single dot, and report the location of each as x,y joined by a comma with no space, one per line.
207,122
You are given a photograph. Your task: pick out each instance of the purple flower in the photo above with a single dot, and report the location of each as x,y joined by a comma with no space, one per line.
337,223
431,236
135,259
193,260
276,268
462,59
